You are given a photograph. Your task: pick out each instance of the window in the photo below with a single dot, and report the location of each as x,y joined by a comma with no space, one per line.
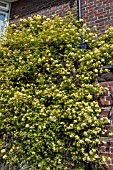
4,14
4,5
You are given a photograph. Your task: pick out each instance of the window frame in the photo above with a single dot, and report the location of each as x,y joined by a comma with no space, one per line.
5,11
4,8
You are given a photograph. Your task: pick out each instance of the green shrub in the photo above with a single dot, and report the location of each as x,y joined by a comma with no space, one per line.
49,116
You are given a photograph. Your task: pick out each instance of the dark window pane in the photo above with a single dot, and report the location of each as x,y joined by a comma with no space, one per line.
3,4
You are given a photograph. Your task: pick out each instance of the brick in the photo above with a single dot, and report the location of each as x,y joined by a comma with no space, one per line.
23,8
110,167
103,102
104,113
111,118
90,8
111,128
105,84
111,150
111,161
111,155
112,144
110,83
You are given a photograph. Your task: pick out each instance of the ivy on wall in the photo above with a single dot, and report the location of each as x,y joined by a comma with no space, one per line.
49,116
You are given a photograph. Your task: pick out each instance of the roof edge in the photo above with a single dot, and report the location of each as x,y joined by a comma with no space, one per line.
10,0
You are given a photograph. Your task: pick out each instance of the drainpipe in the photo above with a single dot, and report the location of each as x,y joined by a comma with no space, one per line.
79,9
83,45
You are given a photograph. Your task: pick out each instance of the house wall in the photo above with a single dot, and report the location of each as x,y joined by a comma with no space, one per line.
99,13
106,105
95,12
25,8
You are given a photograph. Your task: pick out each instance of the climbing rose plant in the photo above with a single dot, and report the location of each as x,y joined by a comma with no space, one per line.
49,116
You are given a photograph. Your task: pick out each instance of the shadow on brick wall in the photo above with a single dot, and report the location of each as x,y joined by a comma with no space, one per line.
23,8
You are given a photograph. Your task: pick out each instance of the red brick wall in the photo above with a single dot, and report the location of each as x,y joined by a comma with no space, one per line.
24,8
95,12
99,13
106,105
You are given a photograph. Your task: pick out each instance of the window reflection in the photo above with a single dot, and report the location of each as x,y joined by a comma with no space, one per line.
2,22
4,15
